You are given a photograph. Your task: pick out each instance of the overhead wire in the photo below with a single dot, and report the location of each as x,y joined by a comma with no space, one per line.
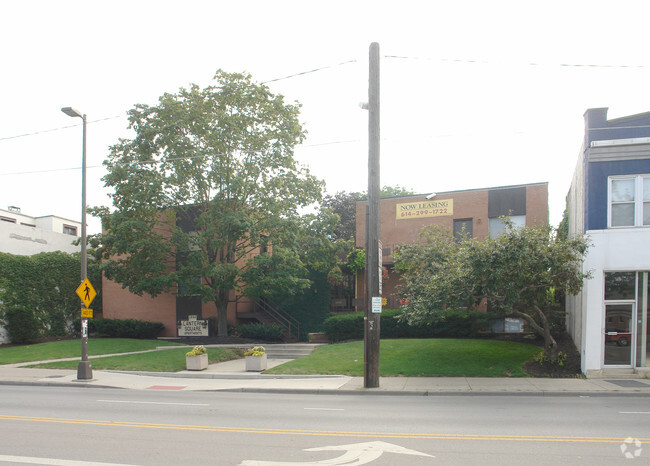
488,62
34,133
302,73
400,57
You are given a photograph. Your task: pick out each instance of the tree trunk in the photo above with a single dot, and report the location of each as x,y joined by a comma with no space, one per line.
544,331
222,312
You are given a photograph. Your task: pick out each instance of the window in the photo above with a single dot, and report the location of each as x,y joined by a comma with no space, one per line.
7,219
619,285
629,201
463,227
496,225
69,230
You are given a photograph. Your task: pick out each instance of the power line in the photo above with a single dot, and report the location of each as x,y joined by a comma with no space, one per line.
34,172
34,133
488,62
173,159
302,73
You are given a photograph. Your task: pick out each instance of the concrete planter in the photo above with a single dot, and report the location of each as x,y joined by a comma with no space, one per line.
256,363
197,363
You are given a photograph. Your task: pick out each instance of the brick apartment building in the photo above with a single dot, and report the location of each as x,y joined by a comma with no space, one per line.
476,212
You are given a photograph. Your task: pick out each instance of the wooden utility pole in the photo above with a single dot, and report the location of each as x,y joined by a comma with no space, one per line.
373,266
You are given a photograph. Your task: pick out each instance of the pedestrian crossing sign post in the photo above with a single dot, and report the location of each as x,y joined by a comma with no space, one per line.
86,292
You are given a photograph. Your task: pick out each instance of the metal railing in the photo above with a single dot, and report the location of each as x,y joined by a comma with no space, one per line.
289,323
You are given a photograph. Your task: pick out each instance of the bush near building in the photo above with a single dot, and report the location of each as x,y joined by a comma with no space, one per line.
454,324
257,331
122,328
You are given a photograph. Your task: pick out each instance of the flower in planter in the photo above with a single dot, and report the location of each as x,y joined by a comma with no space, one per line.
198,349
255,351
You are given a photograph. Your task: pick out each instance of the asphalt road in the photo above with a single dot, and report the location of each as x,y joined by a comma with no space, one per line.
50,425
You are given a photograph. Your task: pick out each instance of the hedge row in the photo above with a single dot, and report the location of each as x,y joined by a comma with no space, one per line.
259,331
37,294
122,328
455,324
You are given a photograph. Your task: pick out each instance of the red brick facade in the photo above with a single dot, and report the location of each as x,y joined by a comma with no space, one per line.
474,206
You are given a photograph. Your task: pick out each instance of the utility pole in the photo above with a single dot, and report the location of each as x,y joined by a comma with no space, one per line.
373,265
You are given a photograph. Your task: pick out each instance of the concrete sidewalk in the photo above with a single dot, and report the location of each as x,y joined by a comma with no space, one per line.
232,376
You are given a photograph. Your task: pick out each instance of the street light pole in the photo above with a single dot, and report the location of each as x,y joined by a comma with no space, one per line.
84,369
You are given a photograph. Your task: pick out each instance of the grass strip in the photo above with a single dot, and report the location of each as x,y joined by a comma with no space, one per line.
72,348
419,358
168,360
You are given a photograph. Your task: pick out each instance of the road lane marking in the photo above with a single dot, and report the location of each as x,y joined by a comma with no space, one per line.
325,409
167,387
52,461
323,433
634,412
153,403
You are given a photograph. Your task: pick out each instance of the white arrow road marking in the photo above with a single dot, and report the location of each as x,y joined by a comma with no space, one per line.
356,453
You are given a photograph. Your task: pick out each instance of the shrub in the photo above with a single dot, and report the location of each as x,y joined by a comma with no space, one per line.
260,332
344,327
197,350
21,324
256,351
122,328
455,324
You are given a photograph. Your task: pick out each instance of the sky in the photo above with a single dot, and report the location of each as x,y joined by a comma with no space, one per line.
474,94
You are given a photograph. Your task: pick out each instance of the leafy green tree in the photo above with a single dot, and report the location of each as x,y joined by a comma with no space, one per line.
206,195
344,205
519,272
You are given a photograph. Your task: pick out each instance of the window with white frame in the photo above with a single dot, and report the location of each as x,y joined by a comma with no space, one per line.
629,201
496,225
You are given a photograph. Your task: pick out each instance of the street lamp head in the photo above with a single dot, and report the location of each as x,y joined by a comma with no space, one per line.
72,112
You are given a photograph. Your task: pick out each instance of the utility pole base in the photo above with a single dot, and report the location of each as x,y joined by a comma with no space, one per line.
84,370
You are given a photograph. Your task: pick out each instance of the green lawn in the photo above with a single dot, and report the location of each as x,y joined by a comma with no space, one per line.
406,357
72,348
424,358
165,360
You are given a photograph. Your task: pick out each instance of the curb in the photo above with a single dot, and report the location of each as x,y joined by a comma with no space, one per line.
363,391
288,391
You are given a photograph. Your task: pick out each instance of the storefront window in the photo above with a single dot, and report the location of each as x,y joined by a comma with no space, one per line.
620,285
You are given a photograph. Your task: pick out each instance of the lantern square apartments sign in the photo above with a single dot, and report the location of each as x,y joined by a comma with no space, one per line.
425,209
193,327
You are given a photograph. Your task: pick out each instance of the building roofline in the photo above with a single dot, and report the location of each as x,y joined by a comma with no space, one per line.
60,218
466,190
630,117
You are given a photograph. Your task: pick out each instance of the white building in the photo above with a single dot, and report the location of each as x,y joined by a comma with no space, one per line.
25,236
609,201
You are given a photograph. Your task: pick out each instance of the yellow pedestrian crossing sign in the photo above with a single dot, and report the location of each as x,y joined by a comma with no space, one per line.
86,292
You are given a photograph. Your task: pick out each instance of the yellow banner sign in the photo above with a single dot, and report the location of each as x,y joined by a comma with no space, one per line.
425,209
87,313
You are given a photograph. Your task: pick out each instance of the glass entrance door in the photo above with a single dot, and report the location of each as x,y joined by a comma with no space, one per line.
643,325
619,325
